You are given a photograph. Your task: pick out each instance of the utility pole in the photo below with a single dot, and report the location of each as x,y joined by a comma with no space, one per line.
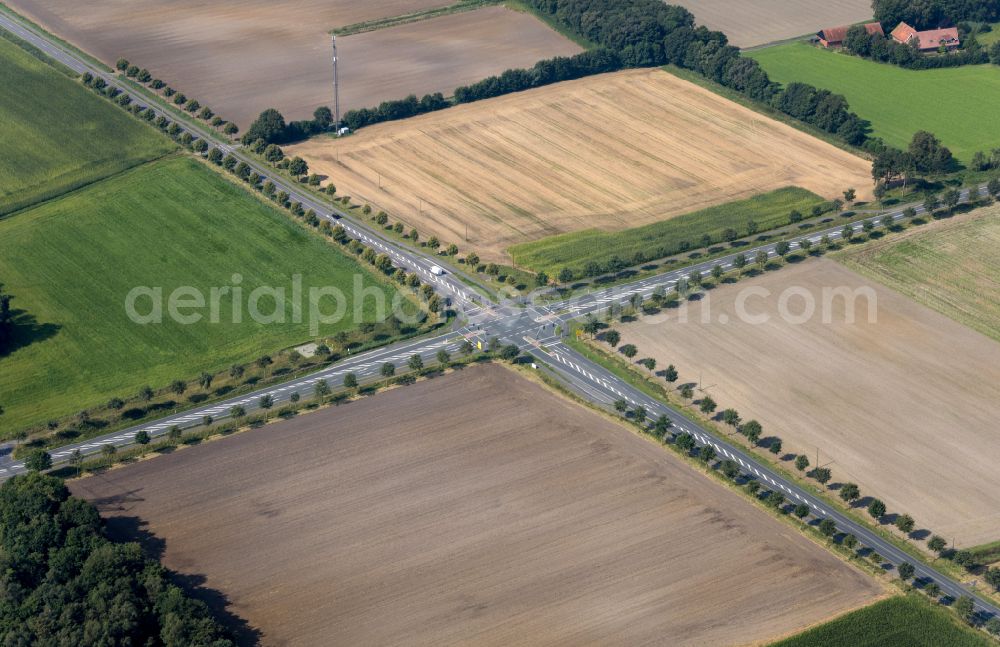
336,87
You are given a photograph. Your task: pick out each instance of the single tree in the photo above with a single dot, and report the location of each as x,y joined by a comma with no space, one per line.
387,371
905,523
38,460
629,350
821,474
205,380
612,337
801,511
964,607
416,362
850,492
266,401
236,412
76,460
670,374
775,446
707,405
142,437
731,417
706,453
850,541
621,405
801,462
752,430
827,527
639,414
905,570
876,509
937,544
443,357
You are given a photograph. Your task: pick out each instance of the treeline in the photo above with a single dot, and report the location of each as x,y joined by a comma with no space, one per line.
270,126
390,110
926,156
931,14
640,33
553,70
649,32
885,50
66,583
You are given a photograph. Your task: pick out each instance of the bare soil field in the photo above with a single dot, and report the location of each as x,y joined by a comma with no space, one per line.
757,22
476,508
906,407
440,54
610,151
242,57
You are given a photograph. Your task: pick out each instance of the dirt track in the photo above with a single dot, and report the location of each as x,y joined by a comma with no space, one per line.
610,151
476,508
240,57
756,22
905,407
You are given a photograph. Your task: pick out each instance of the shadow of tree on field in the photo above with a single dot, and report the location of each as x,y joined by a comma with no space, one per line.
25,331
129,528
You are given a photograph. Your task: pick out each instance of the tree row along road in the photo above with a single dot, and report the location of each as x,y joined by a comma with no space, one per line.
404,257
533,329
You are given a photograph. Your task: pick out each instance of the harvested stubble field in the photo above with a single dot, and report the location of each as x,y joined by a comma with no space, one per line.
475,508
950,266
757,22
610,152
242,57
906,407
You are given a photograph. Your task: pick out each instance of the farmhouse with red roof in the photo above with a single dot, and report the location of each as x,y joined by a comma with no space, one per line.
926,41
834,36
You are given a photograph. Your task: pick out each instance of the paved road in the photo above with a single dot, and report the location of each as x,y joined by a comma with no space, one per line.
533,328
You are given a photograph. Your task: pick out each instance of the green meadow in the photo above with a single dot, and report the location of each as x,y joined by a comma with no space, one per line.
71,262
908,621
58,135
659,239
956,104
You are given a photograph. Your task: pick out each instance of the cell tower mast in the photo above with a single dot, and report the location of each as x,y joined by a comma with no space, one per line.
336,87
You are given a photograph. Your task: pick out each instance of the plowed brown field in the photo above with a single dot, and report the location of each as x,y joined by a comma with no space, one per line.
906,406
477,508
240,57
756,22
610,151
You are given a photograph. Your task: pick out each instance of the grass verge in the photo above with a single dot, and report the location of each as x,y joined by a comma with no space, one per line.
584,251
417,16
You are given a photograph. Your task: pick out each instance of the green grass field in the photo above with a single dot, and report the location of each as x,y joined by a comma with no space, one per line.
951,266
660,239
956,104
910,621
58,135
71,262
